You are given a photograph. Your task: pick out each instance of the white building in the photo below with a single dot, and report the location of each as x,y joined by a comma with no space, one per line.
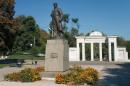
117,54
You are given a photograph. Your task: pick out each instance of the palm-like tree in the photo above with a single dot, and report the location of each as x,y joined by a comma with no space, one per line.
65,20
76,22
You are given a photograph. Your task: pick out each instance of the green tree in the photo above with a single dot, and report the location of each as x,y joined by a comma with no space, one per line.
75,21
27,34
8,25
72,39
65,20
43,39
73,32
124,43
121,42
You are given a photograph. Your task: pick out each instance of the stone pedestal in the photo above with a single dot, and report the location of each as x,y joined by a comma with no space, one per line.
57,57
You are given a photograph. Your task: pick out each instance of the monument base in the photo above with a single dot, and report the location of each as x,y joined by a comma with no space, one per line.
57,57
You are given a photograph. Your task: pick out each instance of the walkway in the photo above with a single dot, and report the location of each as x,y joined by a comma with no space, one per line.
111,74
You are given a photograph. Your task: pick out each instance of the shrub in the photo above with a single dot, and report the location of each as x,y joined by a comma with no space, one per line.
72,78
78,76
13,76
29,75
59,79
39,69
74,75
89,75
26,75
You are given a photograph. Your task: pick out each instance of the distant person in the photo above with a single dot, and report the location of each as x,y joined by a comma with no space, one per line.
35,62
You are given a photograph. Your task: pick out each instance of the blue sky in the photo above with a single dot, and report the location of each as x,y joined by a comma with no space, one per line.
109,16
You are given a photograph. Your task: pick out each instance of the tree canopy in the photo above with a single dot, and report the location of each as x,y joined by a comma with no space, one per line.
29,34
8,25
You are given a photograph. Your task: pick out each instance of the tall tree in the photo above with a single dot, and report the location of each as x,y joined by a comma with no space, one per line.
75,21
65,20
27,34
8,25
73,32
43,39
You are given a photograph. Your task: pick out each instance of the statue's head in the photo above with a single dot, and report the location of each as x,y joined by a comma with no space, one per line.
55,5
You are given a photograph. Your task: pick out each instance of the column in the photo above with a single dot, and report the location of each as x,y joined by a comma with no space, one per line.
78,52
100,51
83,51
92,52
115,51
109,53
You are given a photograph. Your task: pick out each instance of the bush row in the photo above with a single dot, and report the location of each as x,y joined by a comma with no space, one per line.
26,75
78,76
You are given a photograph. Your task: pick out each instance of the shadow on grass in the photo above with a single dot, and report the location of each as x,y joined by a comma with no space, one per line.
11,61
116,76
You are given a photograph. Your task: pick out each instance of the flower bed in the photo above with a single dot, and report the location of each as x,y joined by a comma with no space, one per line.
26,75
78,76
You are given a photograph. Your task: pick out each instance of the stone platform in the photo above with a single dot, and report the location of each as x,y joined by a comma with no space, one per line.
57,55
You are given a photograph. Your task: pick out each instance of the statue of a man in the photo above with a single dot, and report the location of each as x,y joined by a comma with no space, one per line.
57,21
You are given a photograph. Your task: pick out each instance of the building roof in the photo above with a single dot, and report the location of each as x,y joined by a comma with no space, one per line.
96,33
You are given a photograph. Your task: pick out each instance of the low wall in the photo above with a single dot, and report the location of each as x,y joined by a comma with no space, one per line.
73,54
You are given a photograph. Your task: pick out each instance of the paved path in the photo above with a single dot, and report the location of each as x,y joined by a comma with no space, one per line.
111,74
6,70
38,83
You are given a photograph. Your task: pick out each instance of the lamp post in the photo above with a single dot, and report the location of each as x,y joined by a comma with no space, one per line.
31,52
31,45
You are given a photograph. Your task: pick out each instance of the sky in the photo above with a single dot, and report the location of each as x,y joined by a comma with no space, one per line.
109,16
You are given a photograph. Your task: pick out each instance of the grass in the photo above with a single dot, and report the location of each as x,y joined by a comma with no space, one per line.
26,57
22,56
3,65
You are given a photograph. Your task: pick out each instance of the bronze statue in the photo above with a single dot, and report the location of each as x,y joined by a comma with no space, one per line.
56,23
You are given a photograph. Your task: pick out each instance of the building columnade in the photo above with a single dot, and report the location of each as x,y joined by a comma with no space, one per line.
98,52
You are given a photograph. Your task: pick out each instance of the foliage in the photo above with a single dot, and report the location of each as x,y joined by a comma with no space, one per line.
29,35
124,43
89,75
8,25
72,40
43,36
3,65
26,35
40,69
26,75
27,57
59,78
74,76
29,75
70,35
121,42
35,50
65,20
78,76
13,76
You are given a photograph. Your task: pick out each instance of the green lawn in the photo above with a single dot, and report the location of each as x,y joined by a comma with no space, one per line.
21,56
3,65
26,57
